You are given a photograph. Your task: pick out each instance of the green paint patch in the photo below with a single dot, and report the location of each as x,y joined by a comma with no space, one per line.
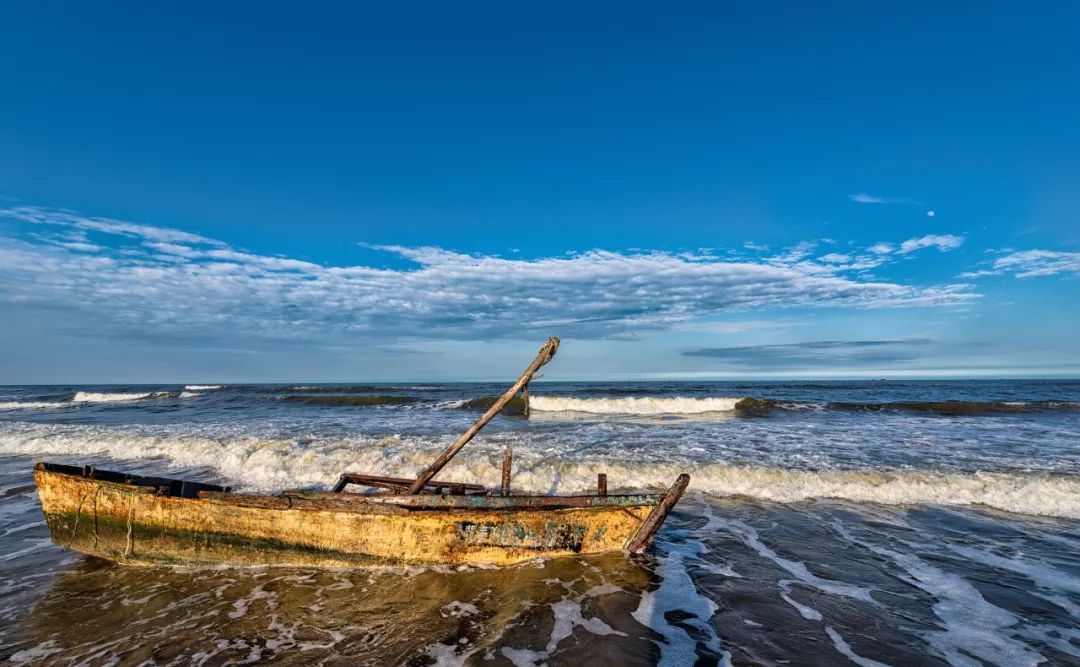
554,537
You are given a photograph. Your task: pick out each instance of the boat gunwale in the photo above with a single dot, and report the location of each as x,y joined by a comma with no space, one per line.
514,502
379,503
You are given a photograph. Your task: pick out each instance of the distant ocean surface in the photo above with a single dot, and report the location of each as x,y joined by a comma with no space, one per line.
827,523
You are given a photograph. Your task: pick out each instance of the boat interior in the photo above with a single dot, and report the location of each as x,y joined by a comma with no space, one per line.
177,488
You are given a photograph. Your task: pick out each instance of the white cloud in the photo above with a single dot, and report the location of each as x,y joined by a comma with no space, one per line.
1033,263
794,254
81,245
882,248
979,274
157,281
174,249
835,258
69,219
864,198
943,242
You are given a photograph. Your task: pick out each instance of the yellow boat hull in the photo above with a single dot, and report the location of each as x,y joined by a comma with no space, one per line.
136,521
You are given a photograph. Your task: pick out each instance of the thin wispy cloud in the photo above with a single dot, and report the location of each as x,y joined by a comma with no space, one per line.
130,278
835,258
865,198
1031,264
814,354
105,225
943,242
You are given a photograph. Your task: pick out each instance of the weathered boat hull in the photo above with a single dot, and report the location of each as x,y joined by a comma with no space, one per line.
137,522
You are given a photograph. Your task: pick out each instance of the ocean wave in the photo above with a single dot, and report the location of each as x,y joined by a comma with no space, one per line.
349,400
32,405
334,389
963,407
652,405
945,408
750,406
516,405
259,464
203,387
118,397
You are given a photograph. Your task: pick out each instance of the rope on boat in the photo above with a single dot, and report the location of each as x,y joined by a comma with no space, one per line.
130,523
97,490
78,514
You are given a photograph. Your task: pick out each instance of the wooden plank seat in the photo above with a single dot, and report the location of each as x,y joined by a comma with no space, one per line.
400,485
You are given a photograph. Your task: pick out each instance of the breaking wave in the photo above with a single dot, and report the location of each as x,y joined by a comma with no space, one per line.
119,397
681,405
261,464
32,405
652,405
203,387
947,408
516,405
90,397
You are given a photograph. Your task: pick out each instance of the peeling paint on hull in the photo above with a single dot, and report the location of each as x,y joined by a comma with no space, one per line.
139,524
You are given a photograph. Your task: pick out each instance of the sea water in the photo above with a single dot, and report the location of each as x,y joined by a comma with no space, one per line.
827,523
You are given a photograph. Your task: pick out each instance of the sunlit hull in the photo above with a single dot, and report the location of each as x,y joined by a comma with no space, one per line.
139,520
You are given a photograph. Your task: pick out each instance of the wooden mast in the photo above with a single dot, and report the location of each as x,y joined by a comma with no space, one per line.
542,357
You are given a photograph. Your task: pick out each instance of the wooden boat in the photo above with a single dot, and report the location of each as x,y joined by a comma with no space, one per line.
153,520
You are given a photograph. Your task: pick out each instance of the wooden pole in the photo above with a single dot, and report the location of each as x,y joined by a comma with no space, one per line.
652,523
601,484
542,357
508,459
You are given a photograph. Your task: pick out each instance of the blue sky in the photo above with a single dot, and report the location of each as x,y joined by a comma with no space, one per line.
344,191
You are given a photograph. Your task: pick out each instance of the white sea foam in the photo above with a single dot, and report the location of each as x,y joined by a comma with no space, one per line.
202,387
971,626
843,647
446,655
749,536
458,608
1041,574
35,653
32,405
677,592
1065,640
568,616
666,405
261,464
97,397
